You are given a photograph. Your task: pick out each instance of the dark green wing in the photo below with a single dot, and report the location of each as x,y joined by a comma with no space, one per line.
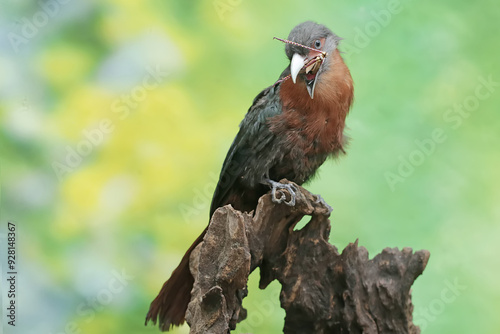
252,152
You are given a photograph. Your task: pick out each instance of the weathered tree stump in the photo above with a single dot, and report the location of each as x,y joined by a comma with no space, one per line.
322,291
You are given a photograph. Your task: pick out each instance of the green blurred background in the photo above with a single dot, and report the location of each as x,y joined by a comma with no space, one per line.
116,117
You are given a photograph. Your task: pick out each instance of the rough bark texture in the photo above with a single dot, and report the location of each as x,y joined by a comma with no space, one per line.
322,291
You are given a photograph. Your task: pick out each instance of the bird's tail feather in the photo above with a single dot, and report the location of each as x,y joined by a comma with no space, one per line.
169,307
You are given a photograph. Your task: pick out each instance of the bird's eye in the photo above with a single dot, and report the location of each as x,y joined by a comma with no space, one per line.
317,44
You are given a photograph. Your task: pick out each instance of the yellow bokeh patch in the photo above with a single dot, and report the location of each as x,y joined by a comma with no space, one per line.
64,65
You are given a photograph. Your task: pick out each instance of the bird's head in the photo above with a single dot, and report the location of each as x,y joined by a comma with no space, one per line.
308,48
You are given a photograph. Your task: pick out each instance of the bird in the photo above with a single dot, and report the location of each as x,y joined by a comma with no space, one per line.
289,131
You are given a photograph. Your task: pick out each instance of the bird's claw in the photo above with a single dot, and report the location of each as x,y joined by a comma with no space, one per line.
277,189
321,201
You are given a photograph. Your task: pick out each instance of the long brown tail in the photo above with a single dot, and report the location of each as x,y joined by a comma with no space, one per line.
169,307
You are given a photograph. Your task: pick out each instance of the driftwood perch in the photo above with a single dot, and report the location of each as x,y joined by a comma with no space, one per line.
322,291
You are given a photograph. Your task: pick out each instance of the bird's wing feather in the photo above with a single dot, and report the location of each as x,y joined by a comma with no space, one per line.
249,145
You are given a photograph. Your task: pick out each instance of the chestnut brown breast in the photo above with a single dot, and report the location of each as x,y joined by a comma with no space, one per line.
312,129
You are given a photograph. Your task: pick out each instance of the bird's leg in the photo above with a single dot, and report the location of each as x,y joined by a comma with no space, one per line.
321,201
278,195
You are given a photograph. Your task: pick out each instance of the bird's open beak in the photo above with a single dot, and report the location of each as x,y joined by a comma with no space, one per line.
298,63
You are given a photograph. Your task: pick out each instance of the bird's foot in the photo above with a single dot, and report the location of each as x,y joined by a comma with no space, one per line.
278,194
321,201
